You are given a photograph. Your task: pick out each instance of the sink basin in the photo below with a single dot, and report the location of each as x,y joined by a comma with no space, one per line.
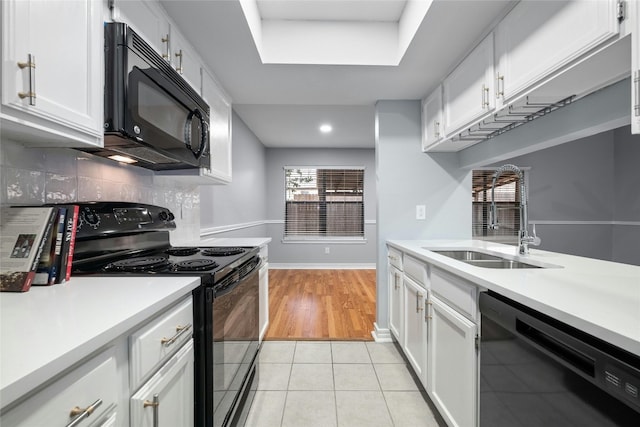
480,259
500,263
468,255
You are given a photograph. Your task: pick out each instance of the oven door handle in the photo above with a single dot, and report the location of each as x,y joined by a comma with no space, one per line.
227,288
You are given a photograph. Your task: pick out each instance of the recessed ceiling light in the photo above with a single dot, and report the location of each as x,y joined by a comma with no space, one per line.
122,159
326,128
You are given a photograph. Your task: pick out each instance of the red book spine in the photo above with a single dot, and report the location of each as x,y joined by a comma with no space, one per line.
72,245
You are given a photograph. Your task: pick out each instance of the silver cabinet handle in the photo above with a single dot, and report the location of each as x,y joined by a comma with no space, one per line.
166,41
31,65
396,278
636,86
154,404
500,92
436,129
418,305
82,413
485,96
427,316
179,331
179,67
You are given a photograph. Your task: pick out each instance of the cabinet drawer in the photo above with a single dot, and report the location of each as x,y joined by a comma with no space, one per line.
416,269
152,344
459,293
93,381
395,257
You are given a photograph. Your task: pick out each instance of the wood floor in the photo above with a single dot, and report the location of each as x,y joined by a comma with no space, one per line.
321,304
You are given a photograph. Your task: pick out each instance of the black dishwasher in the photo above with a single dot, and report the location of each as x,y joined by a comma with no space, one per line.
538,372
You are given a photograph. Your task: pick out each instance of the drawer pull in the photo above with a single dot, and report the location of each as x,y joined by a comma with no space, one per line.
179,331
82,413
31,65
154,404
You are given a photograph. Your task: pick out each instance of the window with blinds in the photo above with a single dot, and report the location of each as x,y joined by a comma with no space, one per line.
327,202
507,194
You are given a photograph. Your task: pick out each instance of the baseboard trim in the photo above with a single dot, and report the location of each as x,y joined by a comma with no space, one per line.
320,266
381,335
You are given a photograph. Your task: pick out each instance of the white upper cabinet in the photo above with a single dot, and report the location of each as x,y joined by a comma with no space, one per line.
537,38
467,91
184,60
52,72
635,67
147,19
219,129
432,126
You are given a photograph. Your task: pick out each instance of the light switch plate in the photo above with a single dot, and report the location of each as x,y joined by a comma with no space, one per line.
421,211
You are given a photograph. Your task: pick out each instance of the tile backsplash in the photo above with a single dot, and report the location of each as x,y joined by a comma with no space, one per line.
33,176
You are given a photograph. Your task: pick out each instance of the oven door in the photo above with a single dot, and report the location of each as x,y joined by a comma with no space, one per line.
235,343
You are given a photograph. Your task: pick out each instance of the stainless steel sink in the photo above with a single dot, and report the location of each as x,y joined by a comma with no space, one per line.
500,263
468,255
481,259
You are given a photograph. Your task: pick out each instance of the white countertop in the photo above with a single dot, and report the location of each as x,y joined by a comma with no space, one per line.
601,298
235,241
50,328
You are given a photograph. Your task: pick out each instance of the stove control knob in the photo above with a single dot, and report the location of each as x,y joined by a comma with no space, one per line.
90,217
163,215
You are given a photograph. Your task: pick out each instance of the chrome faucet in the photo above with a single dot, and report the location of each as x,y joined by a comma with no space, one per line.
524,239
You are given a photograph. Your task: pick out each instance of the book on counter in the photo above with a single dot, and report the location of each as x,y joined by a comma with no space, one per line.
23,236
68,243
49,264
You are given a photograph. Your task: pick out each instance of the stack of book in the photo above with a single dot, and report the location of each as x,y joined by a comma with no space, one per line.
36,246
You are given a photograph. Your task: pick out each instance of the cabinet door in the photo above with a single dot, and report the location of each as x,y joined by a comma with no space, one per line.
453,370
635,67
147,19
432,119
52,64
537,38
264,299
219,128
415,327
167,399
467,91
395,303
185,61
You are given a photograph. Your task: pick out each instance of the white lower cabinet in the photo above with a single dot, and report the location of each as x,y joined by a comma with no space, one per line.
453,384
415,327
87,395
395,303
167,399
264,299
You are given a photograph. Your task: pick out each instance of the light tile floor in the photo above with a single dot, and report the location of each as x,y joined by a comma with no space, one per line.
345,384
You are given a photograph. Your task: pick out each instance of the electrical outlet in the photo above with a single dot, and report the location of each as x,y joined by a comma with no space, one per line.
421,211
326,250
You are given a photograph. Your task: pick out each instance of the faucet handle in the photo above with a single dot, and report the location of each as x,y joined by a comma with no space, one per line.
535,241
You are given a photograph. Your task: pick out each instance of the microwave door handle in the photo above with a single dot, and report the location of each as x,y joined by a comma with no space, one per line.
188,136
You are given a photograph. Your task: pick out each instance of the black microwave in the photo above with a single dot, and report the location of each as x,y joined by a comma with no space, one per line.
151,114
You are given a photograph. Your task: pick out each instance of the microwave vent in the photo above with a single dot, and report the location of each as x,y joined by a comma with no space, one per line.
145,154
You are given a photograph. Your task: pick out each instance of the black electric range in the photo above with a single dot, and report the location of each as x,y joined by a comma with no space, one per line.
132,239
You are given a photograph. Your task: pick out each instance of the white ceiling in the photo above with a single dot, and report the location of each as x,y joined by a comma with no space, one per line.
284,104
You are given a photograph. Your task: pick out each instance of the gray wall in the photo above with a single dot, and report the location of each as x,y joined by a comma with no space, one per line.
314,253
244,200
580,191
406,177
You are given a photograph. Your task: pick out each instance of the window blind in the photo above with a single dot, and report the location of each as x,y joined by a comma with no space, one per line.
324,202
507,194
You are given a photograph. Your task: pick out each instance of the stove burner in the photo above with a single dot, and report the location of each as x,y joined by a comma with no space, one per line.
195,265
182,251
222,251
139,264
